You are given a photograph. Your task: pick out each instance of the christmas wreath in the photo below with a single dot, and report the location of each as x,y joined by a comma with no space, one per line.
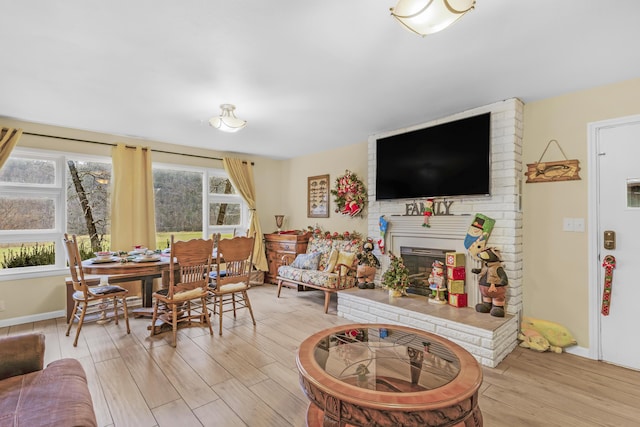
350,194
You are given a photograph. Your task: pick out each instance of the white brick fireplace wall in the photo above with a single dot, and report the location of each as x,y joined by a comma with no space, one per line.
448,232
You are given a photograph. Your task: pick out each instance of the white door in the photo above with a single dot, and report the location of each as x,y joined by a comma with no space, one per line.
617,152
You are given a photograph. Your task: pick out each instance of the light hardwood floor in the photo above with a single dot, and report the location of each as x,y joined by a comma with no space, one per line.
248,377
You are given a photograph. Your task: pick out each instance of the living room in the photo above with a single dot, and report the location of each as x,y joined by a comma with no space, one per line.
552,270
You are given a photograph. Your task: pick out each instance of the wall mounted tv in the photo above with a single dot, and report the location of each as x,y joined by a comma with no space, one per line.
449,159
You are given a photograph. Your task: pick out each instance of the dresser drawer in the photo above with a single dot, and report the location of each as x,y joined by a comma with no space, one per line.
281,246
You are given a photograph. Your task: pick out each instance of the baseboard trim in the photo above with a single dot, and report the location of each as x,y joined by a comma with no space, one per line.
579,351
32,318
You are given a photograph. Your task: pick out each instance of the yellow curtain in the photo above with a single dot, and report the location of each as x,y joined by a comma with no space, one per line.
133,219
8,139
241,176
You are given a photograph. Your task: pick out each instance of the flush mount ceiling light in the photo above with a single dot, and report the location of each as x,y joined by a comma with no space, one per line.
430,16
227,120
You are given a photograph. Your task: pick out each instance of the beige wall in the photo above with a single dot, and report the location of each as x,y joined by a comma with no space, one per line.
556,262
36,296
555,283
335,163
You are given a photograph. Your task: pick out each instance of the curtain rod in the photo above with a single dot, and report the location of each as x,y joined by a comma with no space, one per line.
128,146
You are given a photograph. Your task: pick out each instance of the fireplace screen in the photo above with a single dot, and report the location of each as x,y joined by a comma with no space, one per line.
419,261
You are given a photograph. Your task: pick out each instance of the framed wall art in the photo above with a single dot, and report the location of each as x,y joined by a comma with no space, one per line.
318,196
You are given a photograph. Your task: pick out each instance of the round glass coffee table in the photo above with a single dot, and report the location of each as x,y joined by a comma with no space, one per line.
388,375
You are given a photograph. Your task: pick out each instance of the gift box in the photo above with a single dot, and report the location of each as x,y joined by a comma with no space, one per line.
458,300
456,273
455,259
456,286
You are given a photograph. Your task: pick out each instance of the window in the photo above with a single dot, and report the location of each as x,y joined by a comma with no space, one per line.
32,210
227,210
45,194
193,202
179,201
88,203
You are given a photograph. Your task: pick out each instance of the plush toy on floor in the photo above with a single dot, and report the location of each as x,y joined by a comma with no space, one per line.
492,281
543,335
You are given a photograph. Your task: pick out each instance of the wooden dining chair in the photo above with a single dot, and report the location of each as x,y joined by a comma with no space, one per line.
188,282
231,278
84,295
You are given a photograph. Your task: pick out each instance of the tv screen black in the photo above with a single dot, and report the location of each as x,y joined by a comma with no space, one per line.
449,159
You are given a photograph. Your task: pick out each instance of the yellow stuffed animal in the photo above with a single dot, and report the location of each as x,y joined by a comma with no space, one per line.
543,335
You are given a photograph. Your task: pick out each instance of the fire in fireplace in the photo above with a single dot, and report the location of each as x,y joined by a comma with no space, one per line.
419,261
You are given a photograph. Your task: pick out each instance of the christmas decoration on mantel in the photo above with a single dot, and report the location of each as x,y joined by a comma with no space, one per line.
427,211
350,194
438,208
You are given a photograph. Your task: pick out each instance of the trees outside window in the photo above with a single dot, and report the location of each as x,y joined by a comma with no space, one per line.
31,210
44,194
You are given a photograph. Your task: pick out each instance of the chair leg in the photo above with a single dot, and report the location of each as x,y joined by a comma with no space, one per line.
154,317
327,297
84,311
248,304
174,324
189,313
233,302
115,310
279,288
73,316
220,312
205,312
126,314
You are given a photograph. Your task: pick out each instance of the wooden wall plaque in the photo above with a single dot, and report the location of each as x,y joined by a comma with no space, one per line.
562,170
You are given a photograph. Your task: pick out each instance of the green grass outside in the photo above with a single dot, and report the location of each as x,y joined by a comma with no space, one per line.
161,241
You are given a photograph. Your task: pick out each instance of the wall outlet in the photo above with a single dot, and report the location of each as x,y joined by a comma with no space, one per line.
2,307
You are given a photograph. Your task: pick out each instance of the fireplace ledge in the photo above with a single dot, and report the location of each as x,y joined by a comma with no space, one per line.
489,339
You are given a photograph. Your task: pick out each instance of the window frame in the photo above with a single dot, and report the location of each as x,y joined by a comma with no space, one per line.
225,198
58,191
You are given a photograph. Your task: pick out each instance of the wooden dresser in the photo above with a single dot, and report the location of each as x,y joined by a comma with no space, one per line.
280,244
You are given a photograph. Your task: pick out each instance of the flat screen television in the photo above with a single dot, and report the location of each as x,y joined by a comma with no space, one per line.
449,159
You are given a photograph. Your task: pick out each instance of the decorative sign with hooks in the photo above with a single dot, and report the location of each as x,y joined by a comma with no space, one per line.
563,170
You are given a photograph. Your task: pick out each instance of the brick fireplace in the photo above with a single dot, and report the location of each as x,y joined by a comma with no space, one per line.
490,342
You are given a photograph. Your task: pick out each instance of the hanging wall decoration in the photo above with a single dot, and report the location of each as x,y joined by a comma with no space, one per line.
318,196
350,194
563,170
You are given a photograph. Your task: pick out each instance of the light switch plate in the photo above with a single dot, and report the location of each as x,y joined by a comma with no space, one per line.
578,225
567,224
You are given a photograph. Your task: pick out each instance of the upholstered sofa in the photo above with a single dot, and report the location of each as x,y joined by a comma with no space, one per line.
329,265
57,395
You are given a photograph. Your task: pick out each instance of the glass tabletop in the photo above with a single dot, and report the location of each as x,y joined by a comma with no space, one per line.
386,359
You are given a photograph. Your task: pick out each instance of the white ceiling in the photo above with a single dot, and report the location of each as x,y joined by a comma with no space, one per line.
307,75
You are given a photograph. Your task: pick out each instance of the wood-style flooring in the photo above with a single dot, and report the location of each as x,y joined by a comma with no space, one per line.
248,376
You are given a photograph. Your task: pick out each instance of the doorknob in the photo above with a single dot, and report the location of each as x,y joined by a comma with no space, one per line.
609,239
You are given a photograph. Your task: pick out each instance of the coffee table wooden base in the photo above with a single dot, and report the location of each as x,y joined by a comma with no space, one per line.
464,414
341,403
316,418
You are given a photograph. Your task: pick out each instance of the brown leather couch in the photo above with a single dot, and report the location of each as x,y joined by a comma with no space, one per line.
57,395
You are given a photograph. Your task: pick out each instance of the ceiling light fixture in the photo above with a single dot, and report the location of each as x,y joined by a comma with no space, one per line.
227,120
425,17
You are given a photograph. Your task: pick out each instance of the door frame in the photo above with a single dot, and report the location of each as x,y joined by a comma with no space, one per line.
596,275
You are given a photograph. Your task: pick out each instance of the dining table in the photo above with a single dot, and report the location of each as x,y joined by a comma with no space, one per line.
145,271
